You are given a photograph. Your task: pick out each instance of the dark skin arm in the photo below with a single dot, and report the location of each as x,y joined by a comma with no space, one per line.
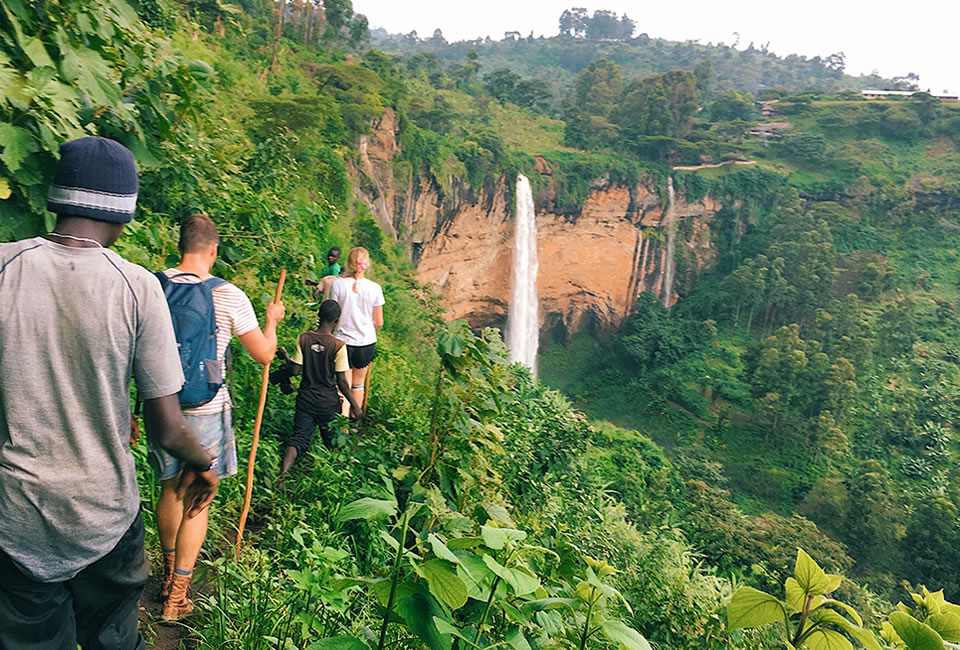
167,427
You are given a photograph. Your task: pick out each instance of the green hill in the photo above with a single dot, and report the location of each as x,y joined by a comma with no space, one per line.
557,60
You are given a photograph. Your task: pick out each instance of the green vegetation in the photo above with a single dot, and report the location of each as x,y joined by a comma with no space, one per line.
812,371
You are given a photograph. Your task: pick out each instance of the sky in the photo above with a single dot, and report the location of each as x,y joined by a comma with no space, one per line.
893,37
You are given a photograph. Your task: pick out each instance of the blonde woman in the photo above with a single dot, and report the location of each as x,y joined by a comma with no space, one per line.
361,303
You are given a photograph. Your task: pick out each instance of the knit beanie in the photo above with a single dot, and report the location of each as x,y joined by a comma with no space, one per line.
97,179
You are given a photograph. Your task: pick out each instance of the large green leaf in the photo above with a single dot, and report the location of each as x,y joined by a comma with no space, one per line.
843,608
516,639
381,588
811,578
444,583
338,643
917,635
520,581
496,538
625,637
523,581
418,611
17,143
464,542
440,549
751,607
499,513
821,639
35,50
476,576
865,637
367,508
445,627
451,344
542,604
946,624
796,596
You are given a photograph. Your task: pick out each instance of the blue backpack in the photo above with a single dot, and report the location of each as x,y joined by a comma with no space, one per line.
195,326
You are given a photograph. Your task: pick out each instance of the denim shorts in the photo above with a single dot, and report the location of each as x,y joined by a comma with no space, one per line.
215,433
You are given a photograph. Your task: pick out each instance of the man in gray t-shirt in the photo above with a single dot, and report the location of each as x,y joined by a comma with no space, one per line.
78,322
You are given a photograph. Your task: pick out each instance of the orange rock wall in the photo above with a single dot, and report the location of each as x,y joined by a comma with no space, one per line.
592,265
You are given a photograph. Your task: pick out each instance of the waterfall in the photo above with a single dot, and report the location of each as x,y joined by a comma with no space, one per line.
668,261
523,318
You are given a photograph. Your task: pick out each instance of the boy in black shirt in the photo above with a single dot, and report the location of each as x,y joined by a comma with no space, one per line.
322,358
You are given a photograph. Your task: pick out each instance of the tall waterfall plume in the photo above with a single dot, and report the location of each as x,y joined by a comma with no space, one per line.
668,261
523,319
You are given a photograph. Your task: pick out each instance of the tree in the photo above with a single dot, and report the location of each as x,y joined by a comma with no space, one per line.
598,87
529,93
573,22
500,83
874,518
603,26
703,72
896,327
932,542
659,105
836,63
731,105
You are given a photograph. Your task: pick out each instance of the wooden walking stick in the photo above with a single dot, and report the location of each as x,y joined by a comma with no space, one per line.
264,382
366,390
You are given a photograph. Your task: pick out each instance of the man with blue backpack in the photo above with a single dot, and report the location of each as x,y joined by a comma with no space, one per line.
207,312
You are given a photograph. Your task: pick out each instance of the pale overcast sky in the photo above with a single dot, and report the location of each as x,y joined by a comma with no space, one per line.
920,36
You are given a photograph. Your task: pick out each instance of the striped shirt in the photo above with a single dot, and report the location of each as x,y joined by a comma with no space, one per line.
234,315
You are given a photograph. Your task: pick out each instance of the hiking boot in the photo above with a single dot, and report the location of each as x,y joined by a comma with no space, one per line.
169,559
178,603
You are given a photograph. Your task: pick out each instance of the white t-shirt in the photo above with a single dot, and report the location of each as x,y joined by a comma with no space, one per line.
356,317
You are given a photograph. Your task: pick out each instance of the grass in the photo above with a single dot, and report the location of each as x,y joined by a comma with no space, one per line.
527,131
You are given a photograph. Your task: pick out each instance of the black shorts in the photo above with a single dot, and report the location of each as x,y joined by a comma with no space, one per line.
97,608
360,356
305,425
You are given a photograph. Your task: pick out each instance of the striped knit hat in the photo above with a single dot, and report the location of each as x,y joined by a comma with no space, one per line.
97,179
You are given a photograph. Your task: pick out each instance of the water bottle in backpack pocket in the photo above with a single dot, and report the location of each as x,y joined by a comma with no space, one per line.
195,326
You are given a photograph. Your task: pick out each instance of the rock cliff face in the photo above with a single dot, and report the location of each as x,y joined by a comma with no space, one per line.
592,264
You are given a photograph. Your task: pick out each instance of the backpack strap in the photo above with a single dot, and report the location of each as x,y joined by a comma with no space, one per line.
211,283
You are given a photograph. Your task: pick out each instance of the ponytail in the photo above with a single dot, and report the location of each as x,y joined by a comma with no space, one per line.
358,261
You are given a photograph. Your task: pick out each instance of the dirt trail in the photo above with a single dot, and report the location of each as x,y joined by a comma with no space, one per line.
691,414
690,168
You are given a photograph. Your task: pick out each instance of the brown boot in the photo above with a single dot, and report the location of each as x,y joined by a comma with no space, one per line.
169,558
178,603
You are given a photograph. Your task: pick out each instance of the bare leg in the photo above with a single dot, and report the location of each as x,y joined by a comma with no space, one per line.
190,540
358,384
177,531
288,457
169,513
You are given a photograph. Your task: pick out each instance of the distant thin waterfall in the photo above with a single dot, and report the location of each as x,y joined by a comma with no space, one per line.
668,262
523,319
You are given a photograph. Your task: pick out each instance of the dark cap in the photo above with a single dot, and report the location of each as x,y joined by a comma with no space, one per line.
97,179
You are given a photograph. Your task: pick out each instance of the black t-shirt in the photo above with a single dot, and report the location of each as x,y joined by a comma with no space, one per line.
322,357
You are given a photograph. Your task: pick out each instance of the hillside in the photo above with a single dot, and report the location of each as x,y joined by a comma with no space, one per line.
766,411
557,60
